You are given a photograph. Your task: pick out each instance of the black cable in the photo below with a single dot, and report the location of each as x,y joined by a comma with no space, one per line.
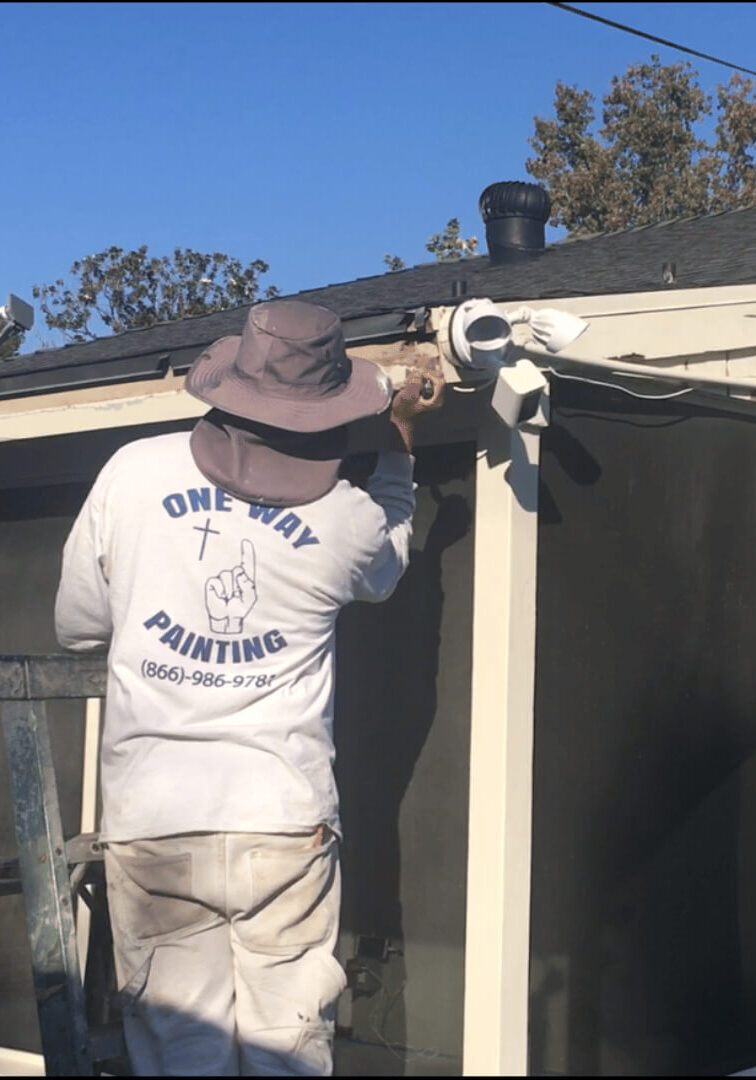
650,37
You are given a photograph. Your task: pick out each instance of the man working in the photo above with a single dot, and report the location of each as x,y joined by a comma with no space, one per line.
215,564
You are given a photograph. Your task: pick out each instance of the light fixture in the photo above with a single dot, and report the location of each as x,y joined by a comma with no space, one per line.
18,316
480,334
481,338
478,337
518,392
553,330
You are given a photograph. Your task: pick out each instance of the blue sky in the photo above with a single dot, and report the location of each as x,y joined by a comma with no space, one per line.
315,136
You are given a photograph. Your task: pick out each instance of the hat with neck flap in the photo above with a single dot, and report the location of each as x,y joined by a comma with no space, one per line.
281,395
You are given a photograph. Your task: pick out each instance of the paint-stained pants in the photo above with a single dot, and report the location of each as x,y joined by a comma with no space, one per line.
224,952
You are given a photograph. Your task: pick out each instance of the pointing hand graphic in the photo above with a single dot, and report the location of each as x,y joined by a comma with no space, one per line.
231,595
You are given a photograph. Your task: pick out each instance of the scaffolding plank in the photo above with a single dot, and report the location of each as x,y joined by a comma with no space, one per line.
36,678
43,869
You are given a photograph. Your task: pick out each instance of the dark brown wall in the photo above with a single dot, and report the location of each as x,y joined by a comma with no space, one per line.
403,719
644,871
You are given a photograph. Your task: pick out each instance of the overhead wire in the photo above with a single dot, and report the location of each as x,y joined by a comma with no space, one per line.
649,37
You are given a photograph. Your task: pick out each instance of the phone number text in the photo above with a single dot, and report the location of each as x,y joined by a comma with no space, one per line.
177,674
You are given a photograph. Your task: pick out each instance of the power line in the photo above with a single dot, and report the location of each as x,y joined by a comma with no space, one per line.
650,37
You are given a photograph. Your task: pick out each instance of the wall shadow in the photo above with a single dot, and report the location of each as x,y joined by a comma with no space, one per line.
389,657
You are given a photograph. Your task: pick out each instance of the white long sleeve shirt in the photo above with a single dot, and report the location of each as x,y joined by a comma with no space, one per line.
220,617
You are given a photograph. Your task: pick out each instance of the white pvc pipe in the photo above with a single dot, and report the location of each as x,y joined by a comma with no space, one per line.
622,368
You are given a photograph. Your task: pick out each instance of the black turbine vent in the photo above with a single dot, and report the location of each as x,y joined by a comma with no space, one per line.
515,215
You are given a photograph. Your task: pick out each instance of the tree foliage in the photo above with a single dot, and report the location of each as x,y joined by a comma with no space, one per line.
649,161
450,245
446,246
394,263
126,290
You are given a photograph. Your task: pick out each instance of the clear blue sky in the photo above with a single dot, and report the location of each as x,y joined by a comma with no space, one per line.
315,136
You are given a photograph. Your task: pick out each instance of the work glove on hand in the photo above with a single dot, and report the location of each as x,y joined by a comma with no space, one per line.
420,395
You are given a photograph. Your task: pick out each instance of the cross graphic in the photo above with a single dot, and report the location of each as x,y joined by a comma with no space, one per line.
205,529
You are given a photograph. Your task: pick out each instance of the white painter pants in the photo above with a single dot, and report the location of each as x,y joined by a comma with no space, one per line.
224,952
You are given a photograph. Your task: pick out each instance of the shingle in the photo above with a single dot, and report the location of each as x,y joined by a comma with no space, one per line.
708,251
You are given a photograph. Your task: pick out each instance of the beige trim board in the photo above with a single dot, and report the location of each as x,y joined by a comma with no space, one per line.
95,414
20,1063
640,303
501,752
683,329
714,326
151,401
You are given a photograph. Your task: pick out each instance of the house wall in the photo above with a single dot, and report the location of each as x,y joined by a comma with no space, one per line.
643,935
402,729
705,329
402,735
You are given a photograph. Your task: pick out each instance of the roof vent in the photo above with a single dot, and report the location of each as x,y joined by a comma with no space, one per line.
669,273
515,214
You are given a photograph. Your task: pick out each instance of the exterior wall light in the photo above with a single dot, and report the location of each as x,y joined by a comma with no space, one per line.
481,339
481,335
18,317
552,329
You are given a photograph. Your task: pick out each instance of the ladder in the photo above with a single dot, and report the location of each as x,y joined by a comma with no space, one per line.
79,1024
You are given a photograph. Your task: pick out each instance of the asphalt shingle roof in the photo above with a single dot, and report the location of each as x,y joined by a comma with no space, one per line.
716,250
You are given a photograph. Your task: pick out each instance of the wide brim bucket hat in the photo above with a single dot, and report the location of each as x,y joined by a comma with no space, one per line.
289,369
